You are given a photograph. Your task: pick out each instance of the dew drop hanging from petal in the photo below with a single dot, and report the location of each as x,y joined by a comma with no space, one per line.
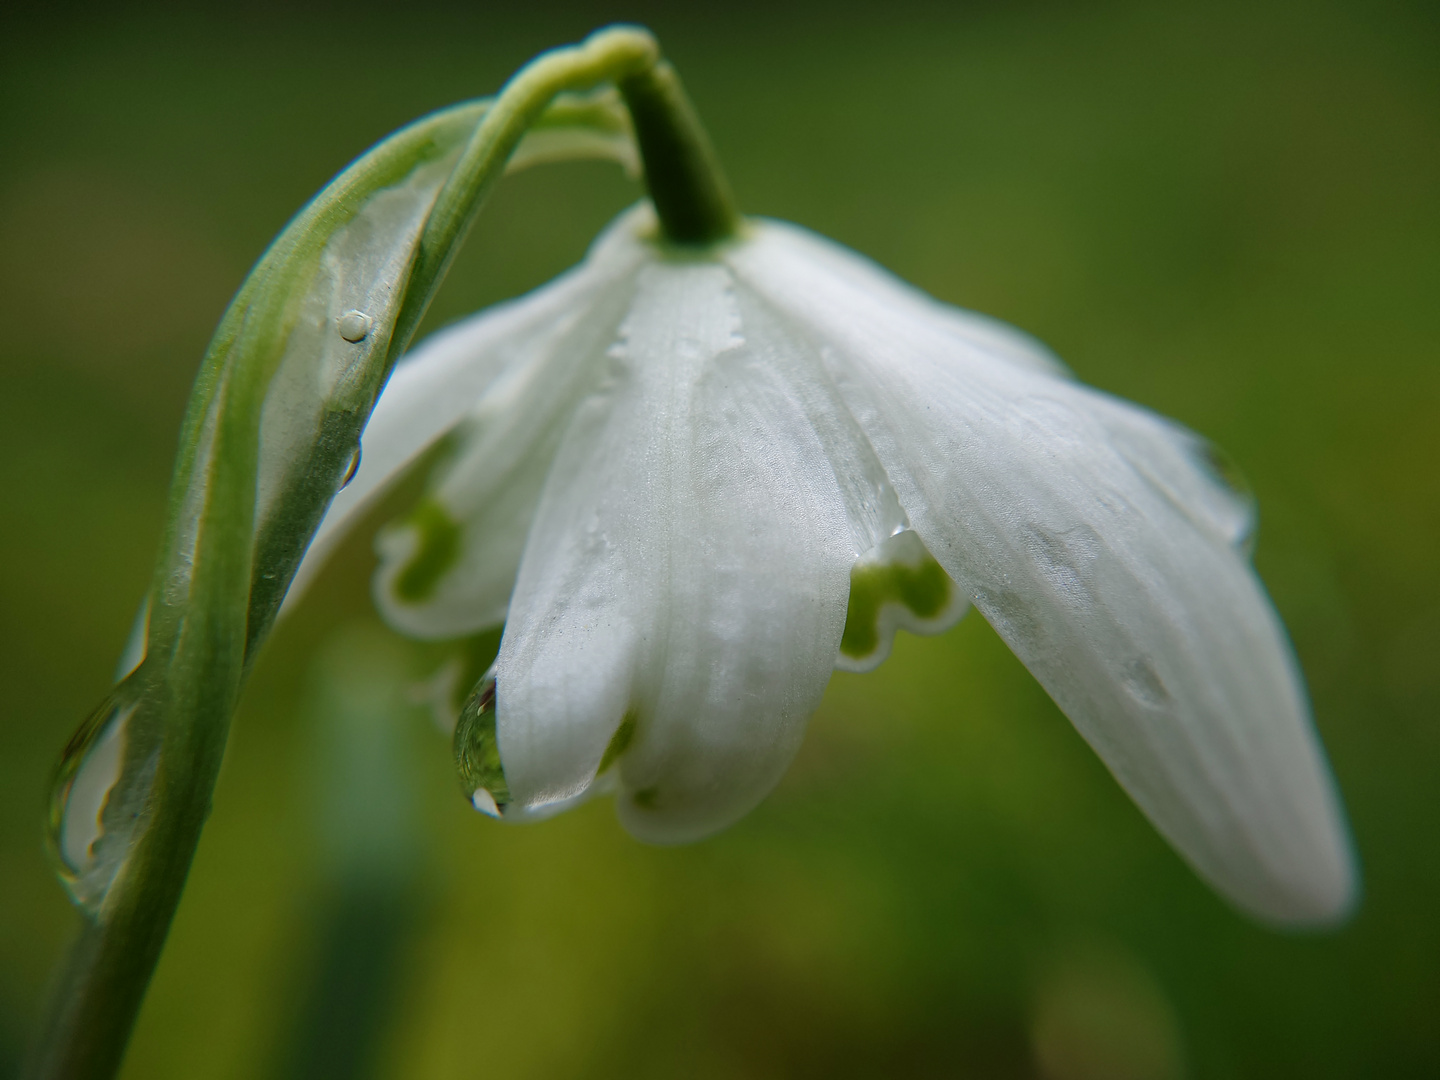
1229,477
477,754
100,798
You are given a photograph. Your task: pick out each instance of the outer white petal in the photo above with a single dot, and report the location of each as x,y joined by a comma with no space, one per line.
435,386
686,572
1181,465
894,582
904,301
1108,564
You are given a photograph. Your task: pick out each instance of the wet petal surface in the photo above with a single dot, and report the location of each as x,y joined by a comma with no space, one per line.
687,575
434,388
1105,553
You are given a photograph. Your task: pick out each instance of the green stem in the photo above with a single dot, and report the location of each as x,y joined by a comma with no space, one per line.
609,54
216,589
691,197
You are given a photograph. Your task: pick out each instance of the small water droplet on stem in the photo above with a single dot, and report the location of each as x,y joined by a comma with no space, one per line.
354,326
351,469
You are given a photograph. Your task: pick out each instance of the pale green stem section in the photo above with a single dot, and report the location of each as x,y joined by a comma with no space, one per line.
610,54
221,575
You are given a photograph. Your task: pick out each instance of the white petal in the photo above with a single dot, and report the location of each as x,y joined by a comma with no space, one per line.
894,582
863,277
1190,472
686,572
433,387
448,569
1107,563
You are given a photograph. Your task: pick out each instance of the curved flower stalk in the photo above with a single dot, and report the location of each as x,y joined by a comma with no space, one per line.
692,483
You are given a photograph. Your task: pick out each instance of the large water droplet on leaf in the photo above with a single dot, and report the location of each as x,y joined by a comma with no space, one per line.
477,754
99,804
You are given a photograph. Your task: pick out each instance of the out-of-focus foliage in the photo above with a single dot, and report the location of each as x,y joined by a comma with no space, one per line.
1228,214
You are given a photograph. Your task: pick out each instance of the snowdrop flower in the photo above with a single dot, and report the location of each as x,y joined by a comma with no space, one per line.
691,478
692,482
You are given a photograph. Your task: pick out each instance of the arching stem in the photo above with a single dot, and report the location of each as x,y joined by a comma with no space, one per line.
217,587
690,194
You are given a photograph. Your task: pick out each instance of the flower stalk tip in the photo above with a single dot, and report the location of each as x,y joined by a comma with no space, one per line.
692,199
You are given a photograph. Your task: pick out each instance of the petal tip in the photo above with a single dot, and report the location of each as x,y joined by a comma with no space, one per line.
1325,900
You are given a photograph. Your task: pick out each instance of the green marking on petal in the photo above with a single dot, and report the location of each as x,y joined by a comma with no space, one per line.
477,753
620,741
924,589
438,550
645,798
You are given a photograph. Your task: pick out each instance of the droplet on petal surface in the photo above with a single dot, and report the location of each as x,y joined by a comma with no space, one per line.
1229,476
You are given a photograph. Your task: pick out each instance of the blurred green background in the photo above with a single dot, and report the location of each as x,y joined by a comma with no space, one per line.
1230,213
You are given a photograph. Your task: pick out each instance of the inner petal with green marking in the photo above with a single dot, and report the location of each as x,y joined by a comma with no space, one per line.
436,549
895,585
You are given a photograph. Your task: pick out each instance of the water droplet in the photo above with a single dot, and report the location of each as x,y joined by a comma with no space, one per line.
134,652
1143,682
352,468
353,326
1227,475
477,754
1067,557
1223,468
99,802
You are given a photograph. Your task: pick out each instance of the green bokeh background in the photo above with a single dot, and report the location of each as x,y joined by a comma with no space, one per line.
1227,212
